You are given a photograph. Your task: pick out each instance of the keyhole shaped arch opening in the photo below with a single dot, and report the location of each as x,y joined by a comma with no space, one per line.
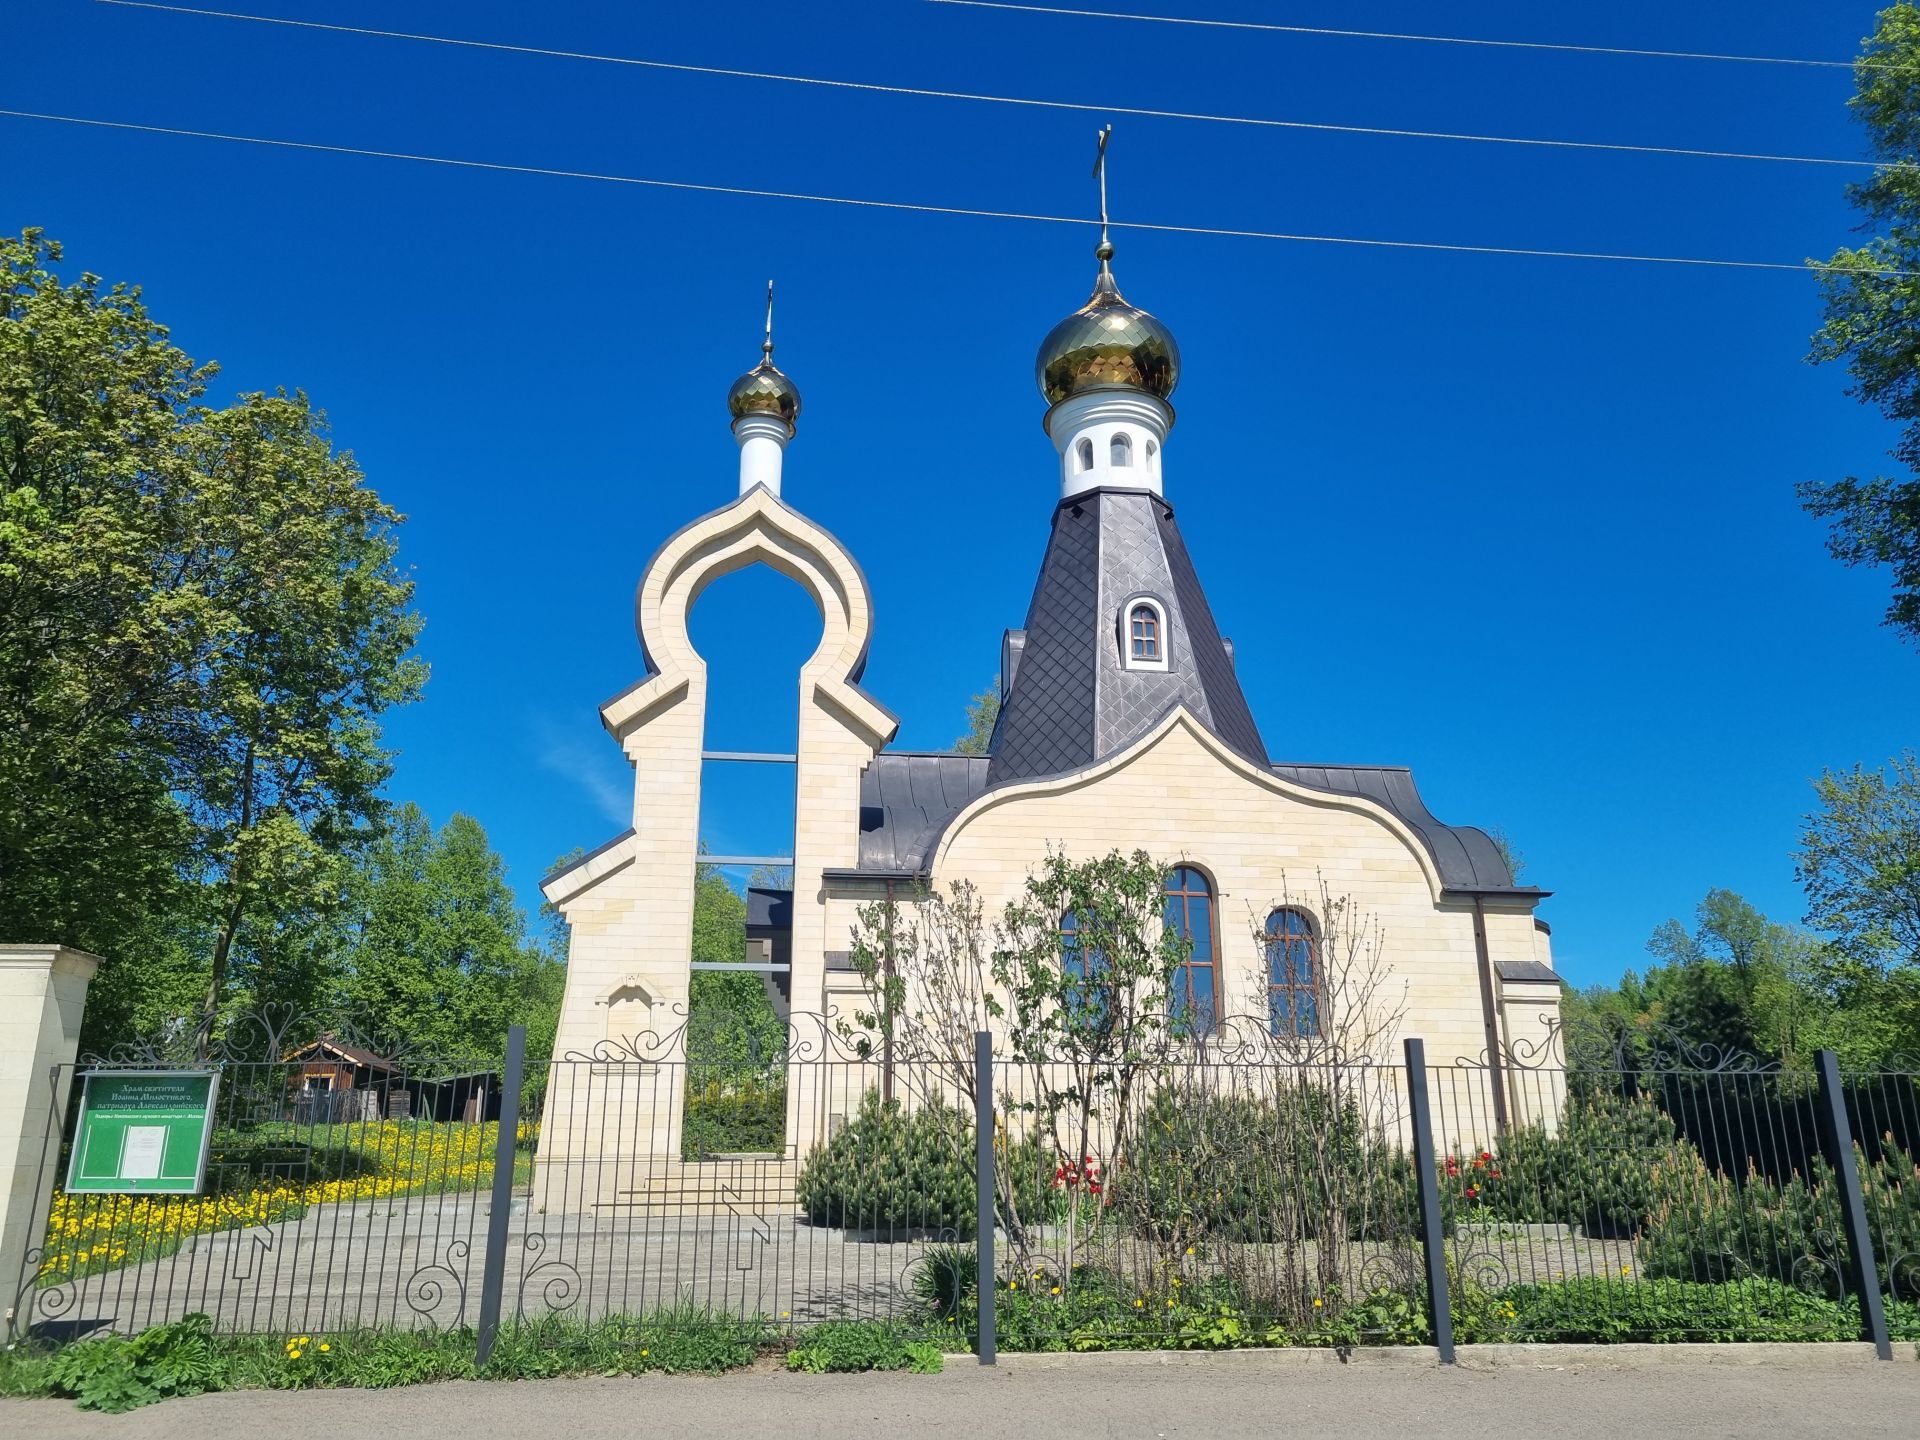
759,528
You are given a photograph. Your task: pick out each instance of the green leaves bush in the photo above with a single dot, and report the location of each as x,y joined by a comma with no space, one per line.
855,1345
736,1115
894,1168
116,1373
1207,1165
899,1169
1709,1227
1603,1312
1599,1171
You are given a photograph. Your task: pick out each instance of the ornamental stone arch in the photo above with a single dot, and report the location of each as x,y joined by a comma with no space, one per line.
630,903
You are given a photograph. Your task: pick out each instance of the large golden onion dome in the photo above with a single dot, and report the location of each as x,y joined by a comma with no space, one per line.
1107,343
765,390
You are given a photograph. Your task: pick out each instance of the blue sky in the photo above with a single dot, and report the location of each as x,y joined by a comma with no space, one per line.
1525,524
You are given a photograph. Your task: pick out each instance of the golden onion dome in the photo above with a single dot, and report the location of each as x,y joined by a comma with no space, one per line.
1107,343
765,390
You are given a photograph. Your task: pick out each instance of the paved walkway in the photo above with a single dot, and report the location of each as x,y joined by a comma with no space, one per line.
1541,1393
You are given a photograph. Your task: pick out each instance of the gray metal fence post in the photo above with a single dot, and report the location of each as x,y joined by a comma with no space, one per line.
986,1343
1838,1135
1425,1161
493,1273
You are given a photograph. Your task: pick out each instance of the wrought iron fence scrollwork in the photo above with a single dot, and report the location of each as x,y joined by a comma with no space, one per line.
806,1037
425,1287
1237,1040
270,1034
558,1281
1601,1046
33,1301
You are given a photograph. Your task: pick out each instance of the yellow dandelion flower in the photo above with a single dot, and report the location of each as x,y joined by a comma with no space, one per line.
1318,1302
1056,1290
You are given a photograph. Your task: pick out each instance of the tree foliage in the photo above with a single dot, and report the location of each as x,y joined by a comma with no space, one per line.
982,713
433,946
201,621
1872,322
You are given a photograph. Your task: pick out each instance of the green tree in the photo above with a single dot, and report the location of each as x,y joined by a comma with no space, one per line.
436,952
1860,863
201,621
93,505
732,1024
1872,322
1739,980
982,711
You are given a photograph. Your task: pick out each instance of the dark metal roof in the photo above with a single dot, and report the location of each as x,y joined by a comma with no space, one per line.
1525,971
769,909
1071,702
1466,858
906,799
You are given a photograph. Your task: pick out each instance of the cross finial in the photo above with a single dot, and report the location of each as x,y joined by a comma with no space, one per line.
766,346
1100,174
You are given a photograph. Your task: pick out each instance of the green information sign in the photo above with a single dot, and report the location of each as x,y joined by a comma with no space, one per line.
142,1132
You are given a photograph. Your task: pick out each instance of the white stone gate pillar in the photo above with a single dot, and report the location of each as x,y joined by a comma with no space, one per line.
43,992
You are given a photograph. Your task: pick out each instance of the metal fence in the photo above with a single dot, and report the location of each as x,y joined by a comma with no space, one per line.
1230,1190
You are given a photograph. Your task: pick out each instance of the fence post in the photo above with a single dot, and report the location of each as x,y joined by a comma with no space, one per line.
986,1343
494,1267
1432,1241
1838,1135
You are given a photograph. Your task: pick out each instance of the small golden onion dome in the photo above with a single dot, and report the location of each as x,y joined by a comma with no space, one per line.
765,390
1106,343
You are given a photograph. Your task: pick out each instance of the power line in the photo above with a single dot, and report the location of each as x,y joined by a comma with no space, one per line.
1426,39
919,208
1017,100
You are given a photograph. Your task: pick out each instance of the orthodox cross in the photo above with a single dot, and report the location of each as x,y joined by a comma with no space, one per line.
766,347
1100,174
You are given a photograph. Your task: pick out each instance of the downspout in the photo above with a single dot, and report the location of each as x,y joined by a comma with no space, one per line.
886,990
1496,1062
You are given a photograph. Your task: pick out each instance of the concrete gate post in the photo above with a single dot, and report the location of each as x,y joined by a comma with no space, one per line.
43,992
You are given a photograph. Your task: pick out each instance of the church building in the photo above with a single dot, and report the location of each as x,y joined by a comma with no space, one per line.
1122,724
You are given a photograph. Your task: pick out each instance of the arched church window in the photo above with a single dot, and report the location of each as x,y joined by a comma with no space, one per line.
1143,633
1122,451
1293,975
1153,456
1085,451
1189,914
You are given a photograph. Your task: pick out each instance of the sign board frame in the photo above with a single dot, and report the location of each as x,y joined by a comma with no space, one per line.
158,1148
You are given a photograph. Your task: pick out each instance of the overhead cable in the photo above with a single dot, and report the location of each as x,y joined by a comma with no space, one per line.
921,208
1425,39
871,87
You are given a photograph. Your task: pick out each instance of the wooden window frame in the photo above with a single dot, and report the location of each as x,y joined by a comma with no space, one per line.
1314,988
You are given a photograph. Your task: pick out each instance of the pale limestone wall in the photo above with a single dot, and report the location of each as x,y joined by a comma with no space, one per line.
1180,795
43,993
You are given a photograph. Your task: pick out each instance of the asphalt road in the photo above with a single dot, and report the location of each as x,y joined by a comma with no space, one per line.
1541,1396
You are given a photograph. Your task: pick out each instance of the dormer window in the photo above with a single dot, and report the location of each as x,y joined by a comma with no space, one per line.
1143,634
1122,451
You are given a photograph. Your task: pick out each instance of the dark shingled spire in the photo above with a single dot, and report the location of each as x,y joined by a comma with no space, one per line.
1072,703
